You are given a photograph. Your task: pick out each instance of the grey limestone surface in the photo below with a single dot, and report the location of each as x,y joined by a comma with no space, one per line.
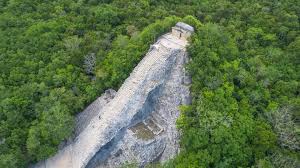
137,123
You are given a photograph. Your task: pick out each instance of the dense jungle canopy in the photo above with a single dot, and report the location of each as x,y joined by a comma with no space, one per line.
57,56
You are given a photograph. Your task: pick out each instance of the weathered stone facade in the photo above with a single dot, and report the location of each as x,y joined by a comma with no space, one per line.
136,124
182,31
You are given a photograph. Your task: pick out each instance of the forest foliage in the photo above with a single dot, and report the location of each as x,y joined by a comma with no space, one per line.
58,56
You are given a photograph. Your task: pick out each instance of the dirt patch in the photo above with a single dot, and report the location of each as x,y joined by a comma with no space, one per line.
141,131
153,126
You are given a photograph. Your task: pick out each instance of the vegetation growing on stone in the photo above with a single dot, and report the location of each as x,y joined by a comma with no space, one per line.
58,56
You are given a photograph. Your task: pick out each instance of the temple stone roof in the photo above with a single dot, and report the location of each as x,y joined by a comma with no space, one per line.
185,26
